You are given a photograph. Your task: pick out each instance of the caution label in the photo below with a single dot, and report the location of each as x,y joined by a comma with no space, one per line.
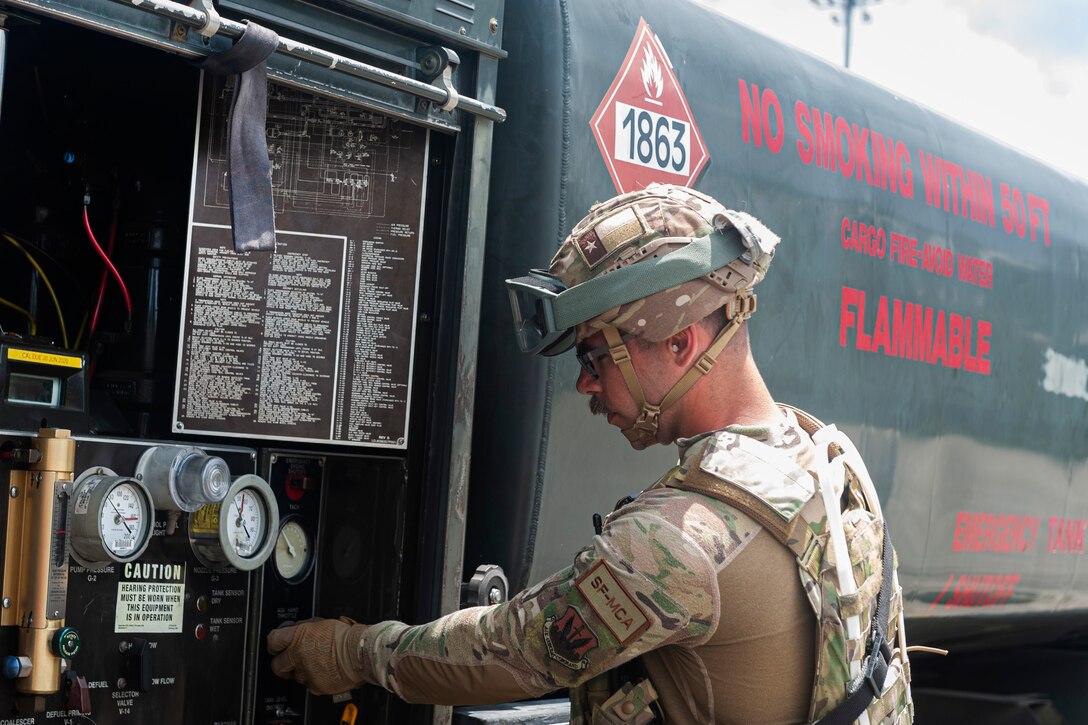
150,598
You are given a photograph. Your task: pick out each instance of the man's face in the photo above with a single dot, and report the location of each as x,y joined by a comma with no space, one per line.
609,394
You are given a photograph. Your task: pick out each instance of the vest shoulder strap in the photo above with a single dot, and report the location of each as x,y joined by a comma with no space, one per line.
759,480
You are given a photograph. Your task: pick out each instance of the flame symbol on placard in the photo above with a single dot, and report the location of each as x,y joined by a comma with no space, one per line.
652,78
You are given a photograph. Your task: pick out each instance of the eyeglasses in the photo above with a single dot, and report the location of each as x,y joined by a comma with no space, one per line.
588,359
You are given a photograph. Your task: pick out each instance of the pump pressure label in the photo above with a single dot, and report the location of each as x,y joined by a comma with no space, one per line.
150,598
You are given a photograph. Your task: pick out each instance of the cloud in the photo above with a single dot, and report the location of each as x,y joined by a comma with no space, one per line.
1051,33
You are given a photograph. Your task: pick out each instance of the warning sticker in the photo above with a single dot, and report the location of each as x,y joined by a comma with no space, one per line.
150,598
644,126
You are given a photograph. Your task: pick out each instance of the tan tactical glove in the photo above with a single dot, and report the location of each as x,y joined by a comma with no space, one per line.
322,654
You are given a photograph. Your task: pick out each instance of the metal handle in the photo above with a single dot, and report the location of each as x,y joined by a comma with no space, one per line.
199,20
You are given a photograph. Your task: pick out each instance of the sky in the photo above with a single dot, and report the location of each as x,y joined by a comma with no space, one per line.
1017,70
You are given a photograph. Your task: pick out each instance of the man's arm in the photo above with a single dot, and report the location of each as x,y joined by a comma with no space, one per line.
641,585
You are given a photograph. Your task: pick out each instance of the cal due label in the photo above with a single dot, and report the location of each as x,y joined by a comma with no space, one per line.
644,126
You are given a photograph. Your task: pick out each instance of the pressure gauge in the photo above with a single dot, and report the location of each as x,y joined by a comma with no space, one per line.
294,551
112,518
241,530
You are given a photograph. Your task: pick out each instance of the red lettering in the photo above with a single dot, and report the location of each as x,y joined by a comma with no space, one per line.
834,143
806,148
970,363
906,174
936,350
863,340
845,150
847,318
755,114
977,590
983,357
1039,212
861,155
881,337
959,533
770,103
823,128
955,341
1066,536
946,183
915,332
751,116
1012,204
951,578
1004,533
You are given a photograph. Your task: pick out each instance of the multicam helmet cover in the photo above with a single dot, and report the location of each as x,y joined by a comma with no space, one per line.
652,222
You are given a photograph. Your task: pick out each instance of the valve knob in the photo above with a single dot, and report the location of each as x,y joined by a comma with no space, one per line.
16,667
66,642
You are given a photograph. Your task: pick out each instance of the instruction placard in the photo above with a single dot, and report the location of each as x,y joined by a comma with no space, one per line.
150,598
314,341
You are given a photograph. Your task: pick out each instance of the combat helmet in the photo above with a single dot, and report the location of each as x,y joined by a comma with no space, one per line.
645,264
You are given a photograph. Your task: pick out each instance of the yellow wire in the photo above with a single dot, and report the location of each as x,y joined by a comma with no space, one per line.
48,286
21,311
82,329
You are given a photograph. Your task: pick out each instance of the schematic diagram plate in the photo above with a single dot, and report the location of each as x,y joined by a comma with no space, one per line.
314,342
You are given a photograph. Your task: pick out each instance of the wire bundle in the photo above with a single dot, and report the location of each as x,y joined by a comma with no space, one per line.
109,271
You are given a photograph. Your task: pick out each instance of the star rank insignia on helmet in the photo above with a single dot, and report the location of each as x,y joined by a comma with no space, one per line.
609,234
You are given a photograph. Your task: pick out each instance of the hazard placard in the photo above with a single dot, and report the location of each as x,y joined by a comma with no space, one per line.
644,126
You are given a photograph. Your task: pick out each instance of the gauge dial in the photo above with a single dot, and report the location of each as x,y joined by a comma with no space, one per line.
240,531
122,520
112,518
246,521
293,552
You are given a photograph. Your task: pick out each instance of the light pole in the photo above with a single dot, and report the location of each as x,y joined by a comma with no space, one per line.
845,14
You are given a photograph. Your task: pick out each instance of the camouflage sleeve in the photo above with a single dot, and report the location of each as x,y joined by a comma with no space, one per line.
642,584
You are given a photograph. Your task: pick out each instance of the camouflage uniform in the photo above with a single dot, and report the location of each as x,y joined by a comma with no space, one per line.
713,606
721,577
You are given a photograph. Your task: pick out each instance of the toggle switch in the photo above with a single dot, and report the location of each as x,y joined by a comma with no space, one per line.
137,663
79,693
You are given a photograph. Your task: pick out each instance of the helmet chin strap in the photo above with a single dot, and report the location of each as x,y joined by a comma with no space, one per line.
643,433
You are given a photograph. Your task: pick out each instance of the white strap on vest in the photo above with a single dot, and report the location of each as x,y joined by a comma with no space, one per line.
831,474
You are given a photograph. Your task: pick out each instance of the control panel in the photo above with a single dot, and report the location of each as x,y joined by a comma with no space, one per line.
129,570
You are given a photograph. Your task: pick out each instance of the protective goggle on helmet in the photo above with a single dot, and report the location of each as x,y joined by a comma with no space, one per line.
547,313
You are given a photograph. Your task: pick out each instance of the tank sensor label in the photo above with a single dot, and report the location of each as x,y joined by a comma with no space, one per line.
150,598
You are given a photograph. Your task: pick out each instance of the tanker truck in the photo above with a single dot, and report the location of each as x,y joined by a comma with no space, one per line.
218,418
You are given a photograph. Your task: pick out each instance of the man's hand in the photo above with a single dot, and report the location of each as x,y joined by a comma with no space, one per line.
322,654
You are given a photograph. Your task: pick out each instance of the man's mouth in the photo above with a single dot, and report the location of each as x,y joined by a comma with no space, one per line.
596,406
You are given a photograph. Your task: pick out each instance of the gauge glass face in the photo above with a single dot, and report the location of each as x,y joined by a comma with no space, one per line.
122,520
292,551
245,523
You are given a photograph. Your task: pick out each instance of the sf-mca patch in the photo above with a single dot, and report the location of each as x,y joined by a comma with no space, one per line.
611,602
569,639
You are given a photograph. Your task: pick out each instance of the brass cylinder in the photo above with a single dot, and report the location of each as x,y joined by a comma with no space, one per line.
39,501
44,678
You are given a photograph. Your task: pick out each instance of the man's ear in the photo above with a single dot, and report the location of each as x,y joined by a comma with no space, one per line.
685,347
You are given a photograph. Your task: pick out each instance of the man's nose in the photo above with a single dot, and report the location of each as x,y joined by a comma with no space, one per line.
587,384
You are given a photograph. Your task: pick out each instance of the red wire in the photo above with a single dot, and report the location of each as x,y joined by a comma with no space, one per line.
105,273
106,259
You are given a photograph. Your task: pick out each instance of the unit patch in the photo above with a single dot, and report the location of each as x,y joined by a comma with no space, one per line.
608,235
569,640
611,602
